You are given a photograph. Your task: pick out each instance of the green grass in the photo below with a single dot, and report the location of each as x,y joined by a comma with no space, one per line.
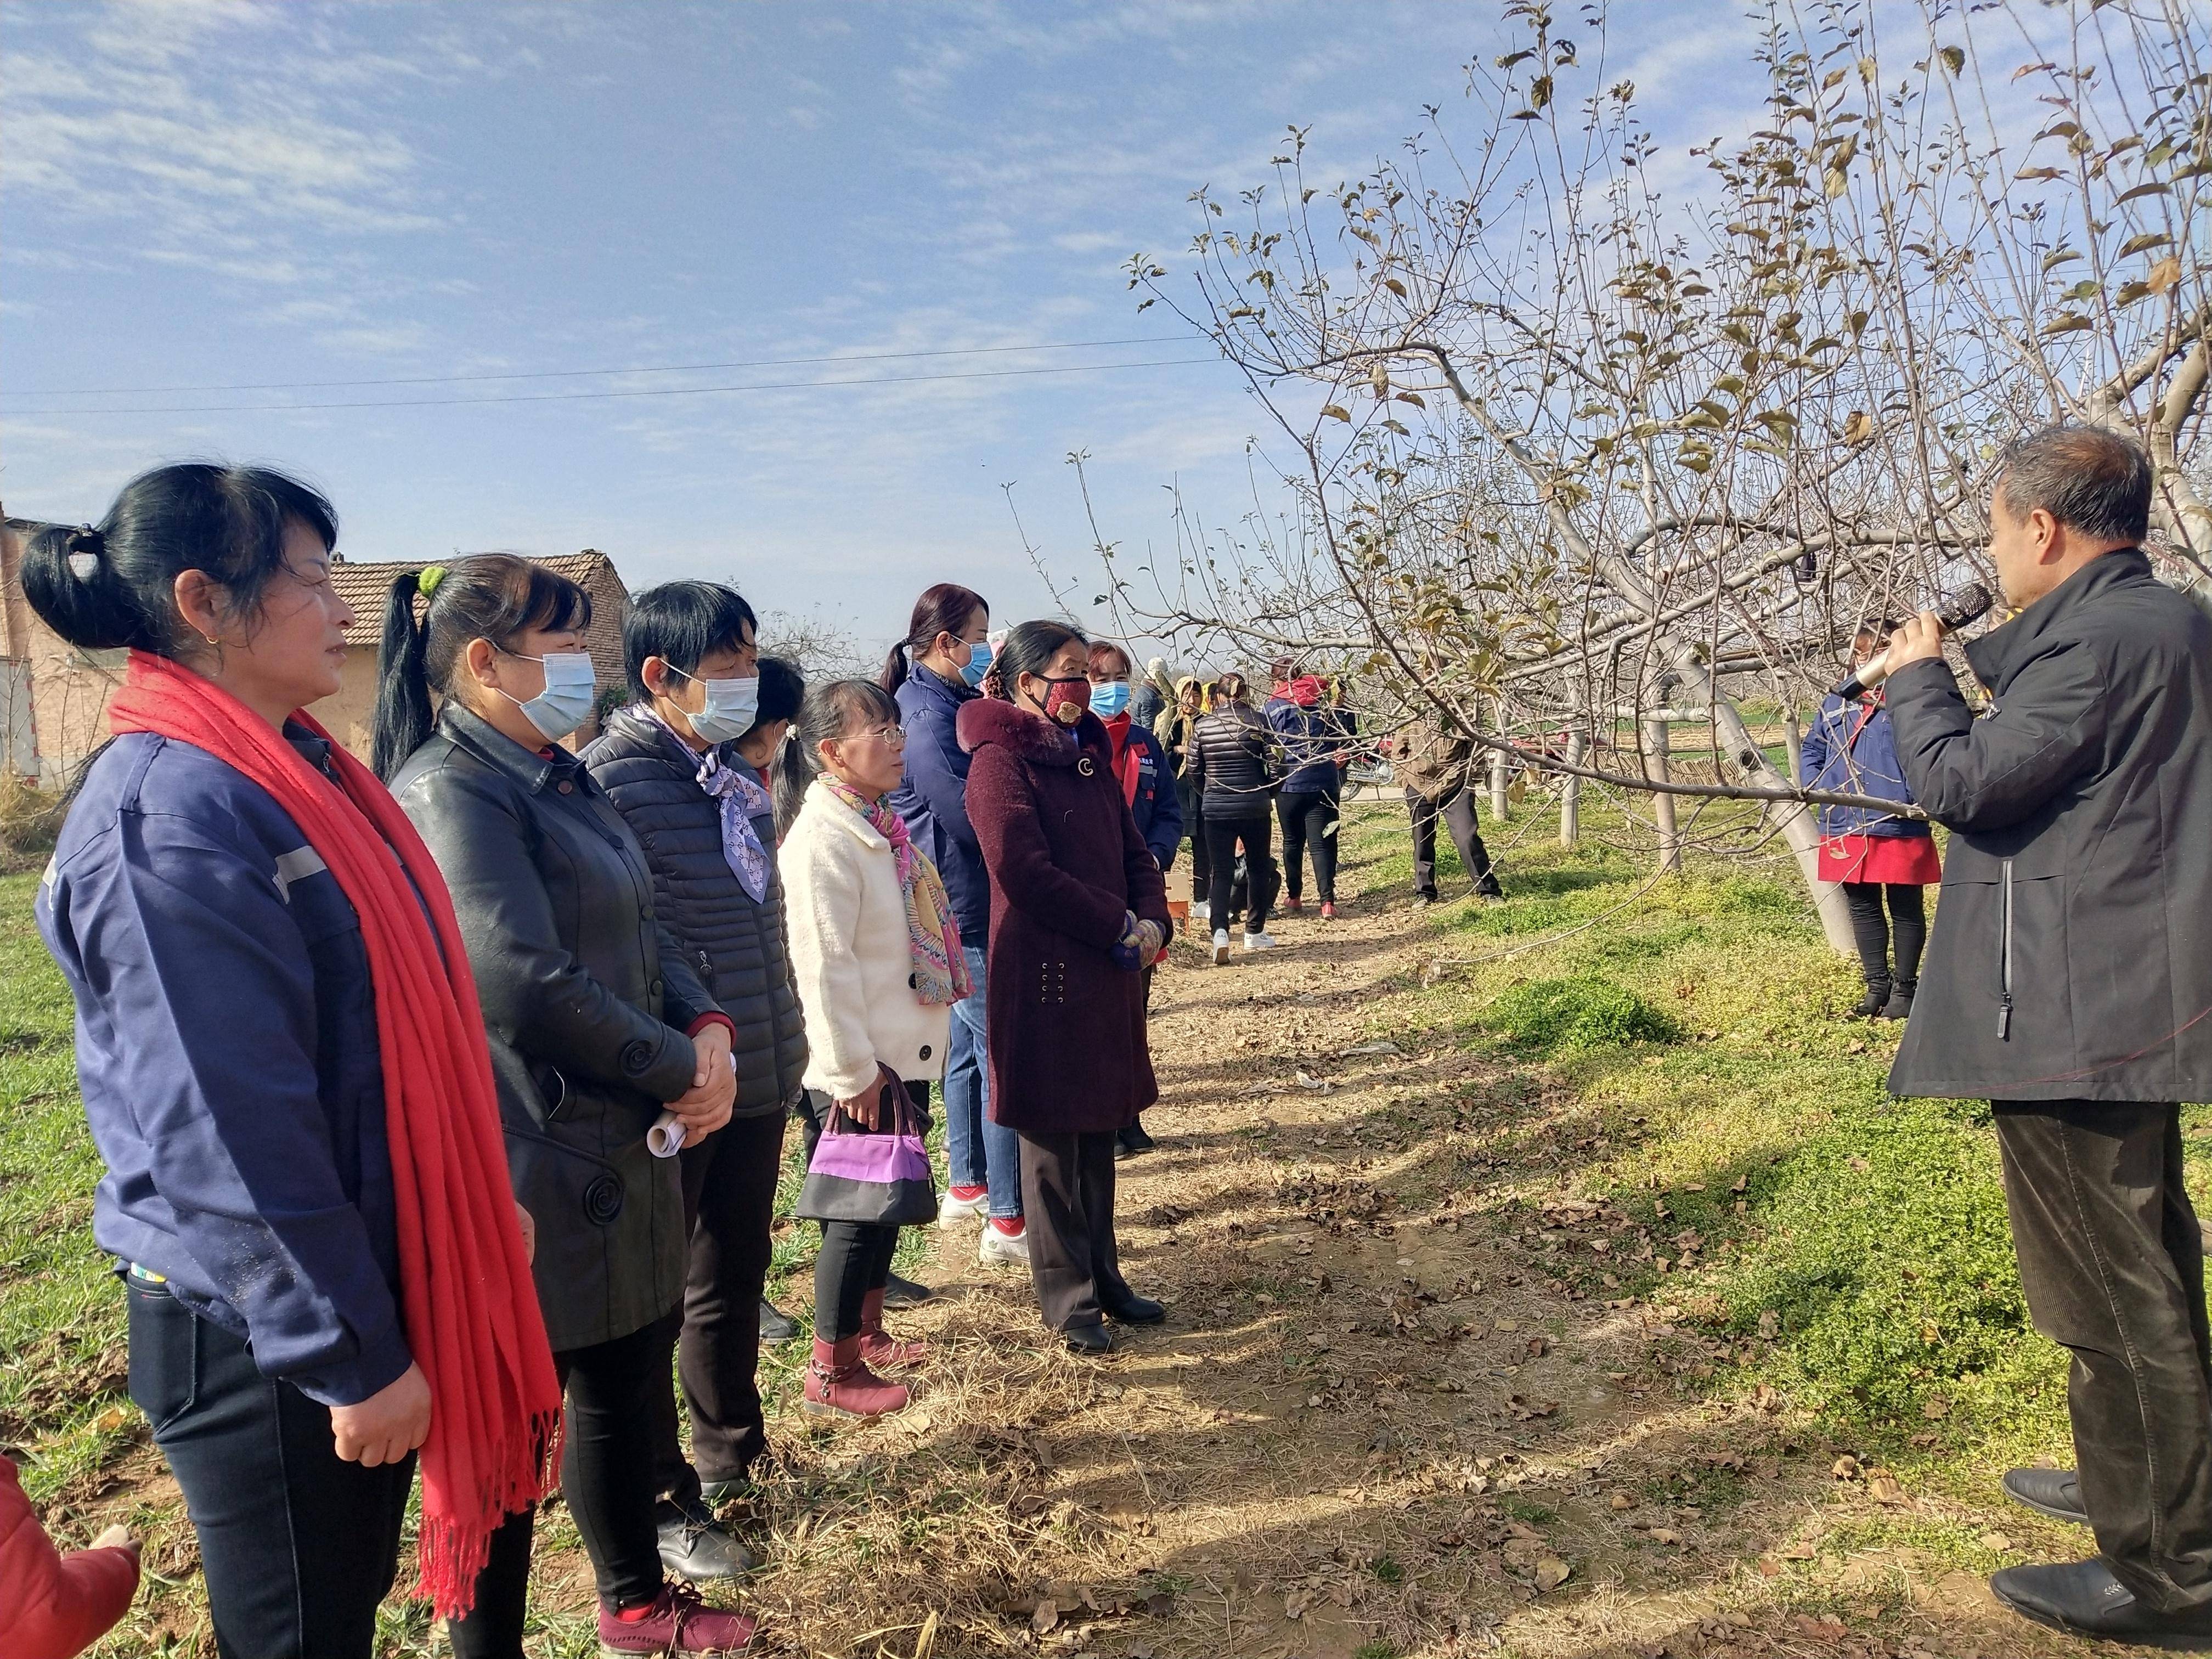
1853,1248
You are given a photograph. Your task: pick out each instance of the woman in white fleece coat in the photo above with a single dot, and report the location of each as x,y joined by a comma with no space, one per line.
877,991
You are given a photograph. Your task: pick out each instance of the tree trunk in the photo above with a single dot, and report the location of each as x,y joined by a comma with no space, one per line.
1498,770
1570,793
1655,741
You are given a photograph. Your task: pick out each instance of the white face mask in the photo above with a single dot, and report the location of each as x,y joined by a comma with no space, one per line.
729,711
566,701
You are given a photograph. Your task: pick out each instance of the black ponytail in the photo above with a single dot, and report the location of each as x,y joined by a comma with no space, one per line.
486,596
835,709
113,586
947,608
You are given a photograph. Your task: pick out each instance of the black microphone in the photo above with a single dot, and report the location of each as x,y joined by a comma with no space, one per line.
1966,605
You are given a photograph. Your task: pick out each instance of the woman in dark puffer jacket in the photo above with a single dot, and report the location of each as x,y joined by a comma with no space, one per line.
667,764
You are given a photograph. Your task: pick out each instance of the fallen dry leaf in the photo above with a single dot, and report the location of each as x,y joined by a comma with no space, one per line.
1552,1573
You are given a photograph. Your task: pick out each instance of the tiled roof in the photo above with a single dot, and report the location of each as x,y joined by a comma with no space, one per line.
366,587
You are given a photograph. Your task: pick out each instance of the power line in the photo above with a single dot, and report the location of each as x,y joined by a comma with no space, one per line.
577,374
647,391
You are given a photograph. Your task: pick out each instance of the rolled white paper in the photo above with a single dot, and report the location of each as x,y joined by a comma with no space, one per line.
666,1138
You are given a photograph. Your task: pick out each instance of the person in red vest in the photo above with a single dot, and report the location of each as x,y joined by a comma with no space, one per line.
57,1605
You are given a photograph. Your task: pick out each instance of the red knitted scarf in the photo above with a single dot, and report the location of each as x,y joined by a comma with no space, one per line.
471,1307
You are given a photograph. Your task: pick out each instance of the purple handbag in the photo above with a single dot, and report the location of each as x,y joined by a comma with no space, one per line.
877,1179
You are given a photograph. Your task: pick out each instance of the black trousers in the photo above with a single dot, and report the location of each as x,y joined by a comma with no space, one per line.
1193,802
729,1201
854,1259
1067,1195
298,1546
1458,814
1871,931
2114,1266
1309,822
1222,836
608,1478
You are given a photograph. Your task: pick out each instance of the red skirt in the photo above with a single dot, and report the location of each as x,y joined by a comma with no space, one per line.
1894,860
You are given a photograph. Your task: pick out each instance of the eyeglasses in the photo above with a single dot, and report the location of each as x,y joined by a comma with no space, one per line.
895,735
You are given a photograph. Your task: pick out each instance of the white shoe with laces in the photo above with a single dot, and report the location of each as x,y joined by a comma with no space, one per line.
1255,941
954,1211
1003,1249
1221,947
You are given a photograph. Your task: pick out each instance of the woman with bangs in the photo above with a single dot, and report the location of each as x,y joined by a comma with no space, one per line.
599,1027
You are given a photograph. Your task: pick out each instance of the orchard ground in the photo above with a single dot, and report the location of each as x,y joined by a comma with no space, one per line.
1552,1278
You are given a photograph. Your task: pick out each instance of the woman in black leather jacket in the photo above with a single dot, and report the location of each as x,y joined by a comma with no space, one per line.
597,1025
670,763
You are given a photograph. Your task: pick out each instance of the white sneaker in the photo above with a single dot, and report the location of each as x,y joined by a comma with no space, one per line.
1201,909
1221,947
952,1211
1252,941
1000,1249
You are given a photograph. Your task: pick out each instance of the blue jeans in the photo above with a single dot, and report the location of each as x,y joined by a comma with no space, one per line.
982,1153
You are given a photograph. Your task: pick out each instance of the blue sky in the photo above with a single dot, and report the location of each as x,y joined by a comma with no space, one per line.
216,192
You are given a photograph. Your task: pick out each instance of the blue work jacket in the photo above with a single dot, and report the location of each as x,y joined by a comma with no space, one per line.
1312,740
1832,758
932,796
227,1050
1158,809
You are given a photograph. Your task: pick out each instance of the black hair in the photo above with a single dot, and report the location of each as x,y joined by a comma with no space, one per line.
485,596
114,585
2096,482
681,624
835,709
1029,648
947,608
781,691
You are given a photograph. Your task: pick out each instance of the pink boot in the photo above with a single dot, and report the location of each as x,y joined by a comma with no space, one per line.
839,1384
878,1347
675,1622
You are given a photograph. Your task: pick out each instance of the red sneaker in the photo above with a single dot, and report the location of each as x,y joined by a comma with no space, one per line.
1291,907
839,1384
878,1345
1328,910
677,1621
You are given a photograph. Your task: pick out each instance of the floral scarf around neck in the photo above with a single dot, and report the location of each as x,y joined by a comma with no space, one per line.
941,967
740,799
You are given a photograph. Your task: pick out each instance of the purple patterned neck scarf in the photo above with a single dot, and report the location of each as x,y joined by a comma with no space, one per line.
739,798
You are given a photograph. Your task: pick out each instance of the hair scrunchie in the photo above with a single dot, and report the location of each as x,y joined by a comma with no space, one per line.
427,582
84,548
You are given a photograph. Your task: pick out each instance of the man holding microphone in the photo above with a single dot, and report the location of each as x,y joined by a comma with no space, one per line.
2070,982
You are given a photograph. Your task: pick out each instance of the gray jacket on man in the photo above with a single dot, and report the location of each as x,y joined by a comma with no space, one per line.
2070,959
741,949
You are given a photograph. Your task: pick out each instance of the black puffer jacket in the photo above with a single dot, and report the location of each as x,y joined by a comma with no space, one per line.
1235,760
740,949
586,1001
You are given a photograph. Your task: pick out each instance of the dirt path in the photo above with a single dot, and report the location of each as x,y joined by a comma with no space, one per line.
1380,1420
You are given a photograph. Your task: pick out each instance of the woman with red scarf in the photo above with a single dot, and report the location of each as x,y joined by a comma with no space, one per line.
1140,767
284,1067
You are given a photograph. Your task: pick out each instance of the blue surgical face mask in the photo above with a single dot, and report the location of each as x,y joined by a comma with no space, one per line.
1110,699
566,701
979,662
731,708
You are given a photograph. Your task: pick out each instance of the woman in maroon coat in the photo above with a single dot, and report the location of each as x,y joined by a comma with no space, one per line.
1078,910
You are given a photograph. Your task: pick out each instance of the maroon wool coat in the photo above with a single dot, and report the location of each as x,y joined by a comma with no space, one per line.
1066,1026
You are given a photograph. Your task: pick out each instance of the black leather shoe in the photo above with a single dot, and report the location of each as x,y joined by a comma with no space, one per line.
693,1544
1899,1005
1132,1141
776,1326
905,1294
2054,1492
1088,1339
2084,1598
1136,1311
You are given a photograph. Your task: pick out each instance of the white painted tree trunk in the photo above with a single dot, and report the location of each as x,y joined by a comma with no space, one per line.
1656,743
1570,793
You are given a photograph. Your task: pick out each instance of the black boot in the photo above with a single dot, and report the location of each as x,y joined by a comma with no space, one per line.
775,1325
1129,1142
1899,1005
1876,999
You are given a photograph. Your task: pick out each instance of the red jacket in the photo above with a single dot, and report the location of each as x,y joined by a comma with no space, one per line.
54,1606
1068,1053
